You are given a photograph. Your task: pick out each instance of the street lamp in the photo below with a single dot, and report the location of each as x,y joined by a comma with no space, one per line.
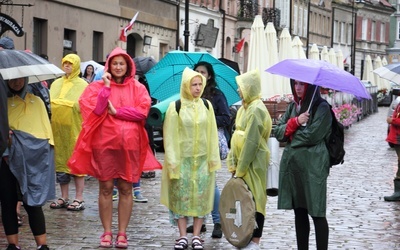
356,4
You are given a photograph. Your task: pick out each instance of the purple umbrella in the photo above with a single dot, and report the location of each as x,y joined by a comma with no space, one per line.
320,73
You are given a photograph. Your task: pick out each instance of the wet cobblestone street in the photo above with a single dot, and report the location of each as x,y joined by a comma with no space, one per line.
358,216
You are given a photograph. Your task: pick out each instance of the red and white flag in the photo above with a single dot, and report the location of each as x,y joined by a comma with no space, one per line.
239,46
123,35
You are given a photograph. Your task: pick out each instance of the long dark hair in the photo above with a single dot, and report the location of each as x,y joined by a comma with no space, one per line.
211,86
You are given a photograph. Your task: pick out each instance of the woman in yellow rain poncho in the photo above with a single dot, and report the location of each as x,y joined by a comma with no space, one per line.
66,123
249,154
191,158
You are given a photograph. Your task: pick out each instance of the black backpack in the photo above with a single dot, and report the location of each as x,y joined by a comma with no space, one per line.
335,142
178,104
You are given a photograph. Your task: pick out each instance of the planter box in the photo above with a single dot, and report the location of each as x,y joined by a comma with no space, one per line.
276,109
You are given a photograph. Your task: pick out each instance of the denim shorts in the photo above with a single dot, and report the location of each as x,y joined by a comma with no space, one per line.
63,178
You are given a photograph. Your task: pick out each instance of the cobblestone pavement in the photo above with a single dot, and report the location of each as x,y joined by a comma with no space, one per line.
357,215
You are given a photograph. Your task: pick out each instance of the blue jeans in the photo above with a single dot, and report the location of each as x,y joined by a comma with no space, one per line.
215,211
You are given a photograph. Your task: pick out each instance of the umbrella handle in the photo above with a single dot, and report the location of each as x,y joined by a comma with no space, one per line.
309,106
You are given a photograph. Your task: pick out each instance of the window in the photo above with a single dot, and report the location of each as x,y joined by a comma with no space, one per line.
305,14
69,42
343,33
364,29
300,27
373,31
295,20
382,35
336,29
98,44
39,36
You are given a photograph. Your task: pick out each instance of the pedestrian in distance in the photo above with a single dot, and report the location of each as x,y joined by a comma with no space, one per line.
24,176
66,121
89,74
222,116
113,143
305,162
393,137
249,149
191,159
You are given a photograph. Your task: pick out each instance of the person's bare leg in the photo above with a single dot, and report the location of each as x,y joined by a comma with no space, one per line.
182,224
41,240
125,204
79,186
12,239
197,223
106,205
64,191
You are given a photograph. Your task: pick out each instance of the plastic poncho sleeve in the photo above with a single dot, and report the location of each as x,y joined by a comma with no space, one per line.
172,154
253,134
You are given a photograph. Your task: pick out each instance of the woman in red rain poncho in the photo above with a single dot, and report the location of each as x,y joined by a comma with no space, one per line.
113,143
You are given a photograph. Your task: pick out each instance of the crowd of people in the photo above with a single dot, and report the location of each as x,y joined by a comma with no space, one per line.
98,129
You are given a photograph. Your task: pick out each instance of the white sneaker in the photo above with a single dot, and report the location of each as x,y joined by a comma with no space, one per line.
251,246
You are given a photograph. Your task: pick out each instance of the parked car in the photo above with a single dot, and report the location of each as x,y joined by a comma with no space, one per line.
395,95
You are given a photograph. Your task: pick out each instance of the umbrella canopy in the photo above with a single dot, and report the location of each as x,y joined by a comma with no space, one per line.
18,63
143,64
325,54
332,56
339,59
97,66
258,55
390,72
320,73
298,51
285,52
380,82
234,65
368,73
272,46
384,61
314,52
165,77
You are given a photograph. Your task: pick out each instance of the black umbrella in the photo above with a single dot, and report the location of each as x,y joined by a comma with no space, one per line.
18,63
234,65
143,64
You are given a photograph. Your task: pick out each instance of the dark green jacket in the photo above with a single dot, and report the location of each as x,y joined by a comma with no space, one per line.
304,165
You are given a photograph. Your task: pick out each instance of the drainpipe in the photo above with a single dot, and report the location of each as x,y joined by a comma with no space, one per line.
186,32
223,30
178,25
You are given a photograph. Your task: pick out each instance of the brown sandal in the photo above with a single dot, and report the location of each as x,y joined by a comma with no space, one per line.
57,205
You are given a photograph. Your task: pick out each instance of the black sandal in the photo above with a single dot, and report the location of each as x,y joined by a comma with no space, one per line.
197,243
181,243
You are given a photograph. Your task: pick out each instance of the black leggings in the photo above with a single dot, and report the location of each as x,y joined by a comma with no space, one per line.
9,199
303,230
260,225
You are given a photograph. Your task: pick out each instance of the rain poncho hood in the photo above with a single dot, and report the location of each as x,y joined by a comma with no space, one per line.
131,71
250,85
109,146
249,154
191,153
305,164
66,117
75,60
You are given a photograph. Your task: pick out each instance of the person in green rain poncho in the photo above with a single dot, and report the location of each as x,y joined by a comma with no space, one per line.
191,159
66,122
305,164
249,154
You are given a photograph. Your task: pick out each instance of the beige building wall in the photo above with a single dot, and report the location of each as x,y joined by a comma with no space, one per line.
107,17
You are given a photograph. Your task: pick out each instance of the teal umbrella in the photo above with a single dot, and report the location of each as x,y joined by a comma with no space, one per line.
165,77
